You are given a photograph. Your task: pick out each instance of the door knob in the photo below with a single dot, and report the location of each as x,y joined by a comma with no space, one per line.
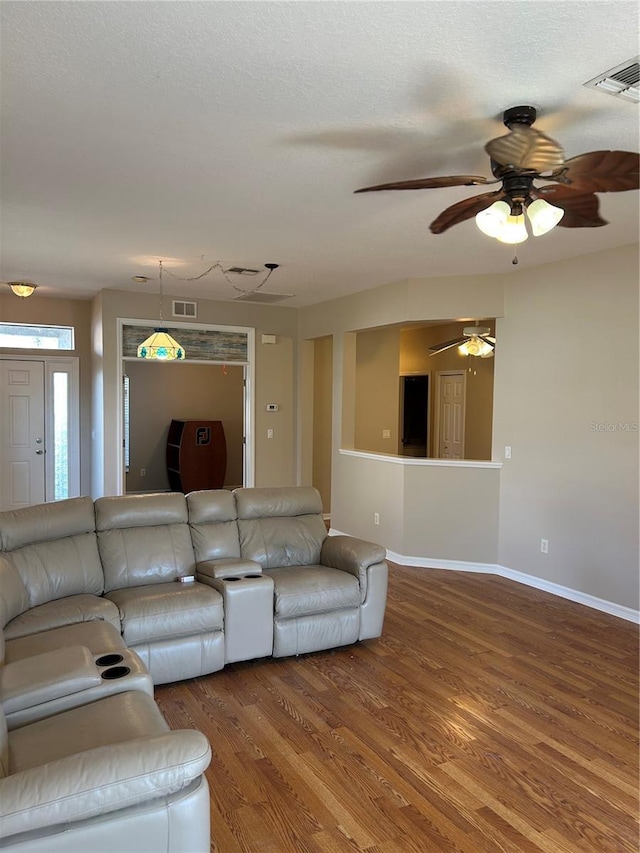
39,452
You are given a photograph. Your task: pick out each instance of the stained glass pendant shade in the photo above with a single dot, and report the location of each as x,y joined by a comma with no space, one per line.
160,345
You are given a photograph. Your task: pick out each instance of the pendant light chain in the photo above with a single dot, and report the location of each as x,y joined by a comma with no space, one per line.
219,266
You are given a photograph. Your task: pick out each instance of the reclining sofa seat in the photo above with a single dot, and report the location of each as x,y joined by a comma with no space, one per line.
328,591
103,777
53,576
145,546
54,625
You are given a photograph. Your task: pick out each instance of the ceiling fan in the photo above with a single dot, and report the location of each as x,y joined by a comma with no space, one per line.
519,158
475,340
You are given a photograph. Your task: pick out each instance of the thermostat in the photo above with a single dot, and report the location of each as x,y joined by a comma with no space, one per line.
272,407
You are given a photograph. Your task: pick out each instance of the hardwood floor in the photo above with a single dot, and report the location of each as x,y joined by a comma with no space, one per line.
488,717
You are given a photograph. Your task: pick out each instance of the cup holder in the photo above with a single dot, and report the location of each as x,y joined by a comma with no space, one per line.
234,578
115,672
109,660
253,576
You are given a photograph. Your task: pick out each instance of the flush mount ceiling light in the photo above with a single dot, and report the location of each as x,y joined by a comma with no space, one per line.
160,345
23,289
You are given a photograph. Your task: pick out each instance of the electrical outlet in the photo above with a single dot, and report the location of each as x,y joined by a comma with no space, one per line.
269,433
507,451
376,518
544,546
386,433
143,472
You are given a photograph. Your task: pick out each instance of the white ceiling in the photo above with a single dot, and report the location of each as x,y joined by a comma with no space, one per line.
237,132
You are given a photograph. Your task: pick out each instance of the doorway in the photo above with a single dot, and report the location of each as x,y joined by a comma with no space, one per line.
158,393
414,415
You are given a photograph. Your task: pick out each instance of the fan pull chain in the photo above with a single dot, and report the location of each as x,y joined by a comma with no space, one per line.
515,257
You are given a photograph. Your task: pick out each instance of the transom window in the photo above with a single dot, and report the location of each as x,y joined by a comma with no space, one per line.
27,336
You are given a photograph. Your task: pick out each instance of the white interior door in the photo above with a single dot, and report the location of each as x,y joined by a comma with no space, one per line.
22,434
451,416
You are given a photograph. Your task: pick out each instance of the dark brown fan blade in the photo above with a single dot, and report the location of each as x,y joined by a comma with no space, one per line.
602,171
526,148
436,348
464,209
429,183
580,209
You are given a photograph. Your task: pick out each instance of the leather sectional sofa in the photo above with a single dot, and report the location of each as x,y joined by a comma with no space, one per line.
100,600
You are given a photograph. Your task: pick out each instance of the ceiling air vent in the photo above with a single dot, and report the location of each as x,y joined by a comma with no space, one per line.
261,296
621,81
242,271
185,309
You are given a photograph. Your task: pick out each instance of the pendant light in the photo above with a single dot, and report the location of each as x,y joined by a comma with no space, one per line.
160,345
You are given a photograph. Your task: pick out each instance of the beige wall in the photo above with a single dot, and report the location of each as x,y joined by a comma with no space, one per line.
161,392
275,457
274,380
377,390
39,309
567,481
322,418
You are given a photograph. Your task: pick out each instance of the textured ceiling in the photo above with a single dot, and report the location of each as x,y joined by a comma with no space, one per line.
237,131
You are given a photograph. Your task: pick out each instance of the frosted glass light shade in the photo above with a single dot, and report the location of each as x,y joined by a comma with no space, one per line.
491,220
475,346
22,288
543,216
162,346
513,230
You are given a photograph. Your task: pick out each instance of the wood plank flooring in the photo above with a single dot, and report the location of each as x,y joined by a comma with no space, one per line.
488,717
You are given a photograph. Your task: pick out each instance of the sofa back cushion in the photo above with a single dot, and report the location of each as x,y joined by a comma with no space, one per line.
143,539
14,598
280,526
214,529
53,548
4,746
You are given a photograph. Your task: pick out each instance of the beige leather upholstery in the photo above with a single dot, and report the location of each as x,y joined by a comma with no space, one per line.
248,615
143,539
53,548
63,611
214,529
98,637
320,582
75,772
86,760
145,546
45,677
162,610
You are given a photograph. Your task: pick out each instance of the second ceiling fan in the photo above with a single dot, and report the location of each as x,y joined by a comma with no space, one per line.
475,340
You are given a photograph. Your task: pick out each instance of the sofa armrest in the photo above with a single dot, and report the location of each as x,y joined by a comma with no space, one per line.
45,677
101,780
351,555
226,567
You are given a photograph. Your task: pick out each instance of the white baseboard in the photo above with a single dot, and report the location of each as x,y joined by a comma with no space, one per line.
528,580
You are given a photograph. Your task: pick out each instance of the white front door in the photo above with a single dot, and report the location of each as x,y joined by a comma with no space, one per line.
22,434
451,416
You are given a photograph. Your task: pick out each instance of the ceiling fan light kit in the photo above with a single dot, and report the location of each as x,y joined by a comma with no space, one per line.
519,158
476,341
